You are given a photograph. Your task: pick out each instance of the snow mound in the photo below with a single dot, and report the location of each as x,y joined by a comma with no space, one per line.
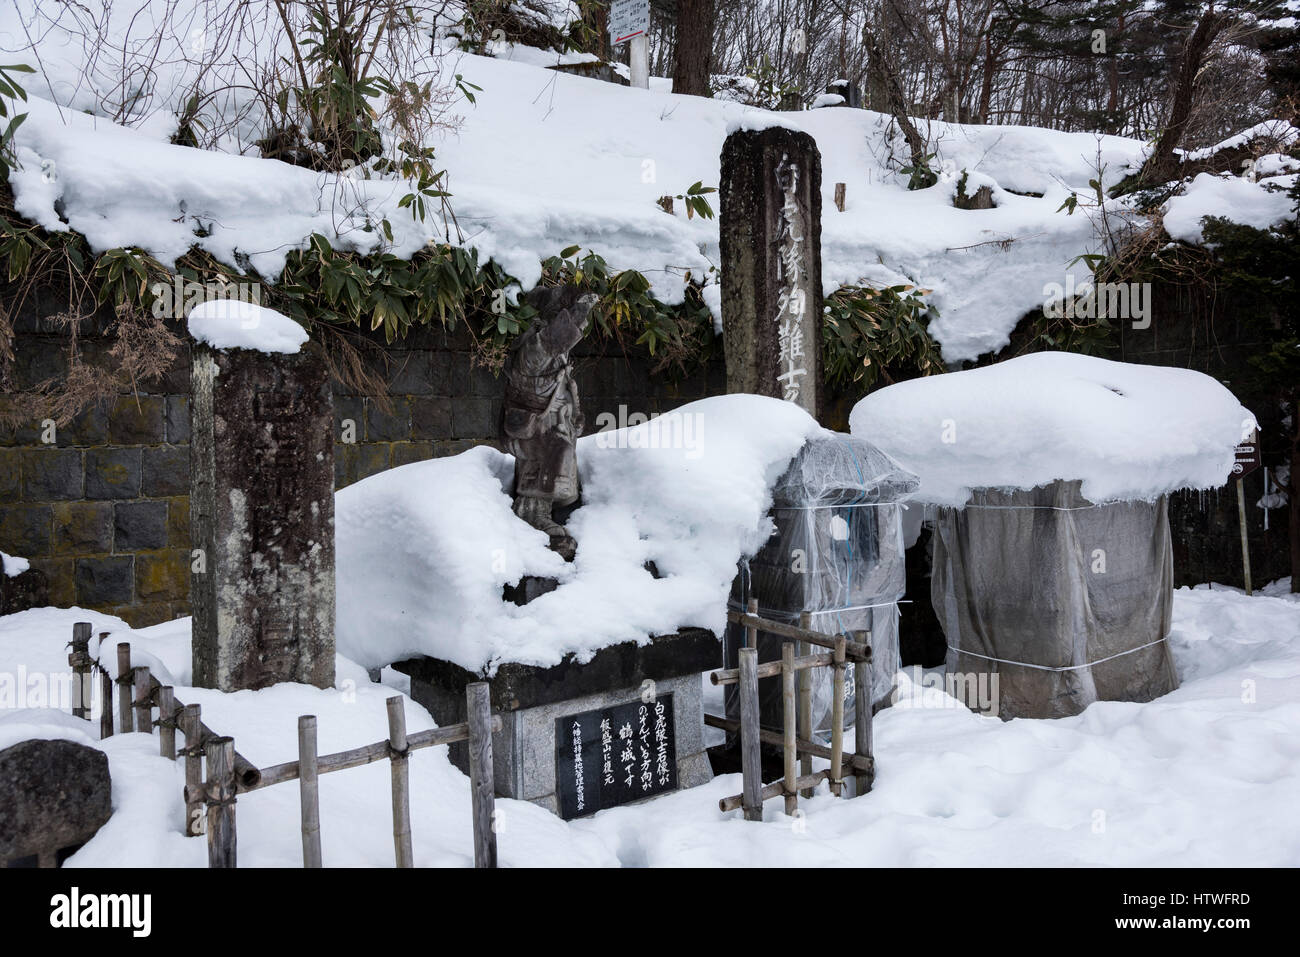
1128,431
233,324
12,566
1261,205
425,550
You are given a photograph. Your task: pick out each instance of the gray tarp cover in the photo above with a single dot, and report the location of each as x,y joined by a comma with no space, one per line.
1044,577
838,554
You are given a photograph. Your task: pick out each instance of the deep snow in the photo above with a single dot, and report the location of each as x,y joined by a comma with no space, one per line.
1184,780
424,550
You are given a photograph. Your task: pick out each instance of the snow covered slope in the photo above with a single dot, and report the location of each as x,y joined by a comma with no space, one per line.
545,160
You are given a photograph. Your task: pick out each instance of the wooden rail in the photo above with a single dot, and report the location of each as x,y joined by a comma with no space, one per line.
210,799
795,740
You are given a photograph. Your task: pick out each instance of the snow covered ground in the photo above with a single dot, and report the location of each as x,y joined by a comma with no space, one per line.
1184,780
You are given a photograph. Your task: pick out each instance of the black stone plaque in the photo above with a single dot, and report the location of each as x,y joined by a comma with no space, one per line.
615,755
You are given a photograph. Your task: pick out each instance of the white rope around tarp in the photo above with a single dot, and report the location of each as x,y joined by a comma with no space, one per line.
1090,664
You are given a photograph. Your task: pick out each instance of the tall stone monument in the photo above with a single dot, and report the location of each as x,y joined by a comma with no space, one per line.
771,264
262,518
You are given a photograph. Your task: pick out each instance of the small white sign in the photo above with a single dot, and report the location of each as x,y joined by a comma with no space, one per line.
628,19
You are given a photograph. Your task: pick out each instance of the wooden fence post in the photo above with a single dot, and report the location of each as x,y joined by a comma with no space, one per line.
397,757
79,660
751,755
191,725
862,712
309,790
167,722
805,703
837,719
839,196
124,721
788,726
143,700
105,694
751,631
220,794
478,703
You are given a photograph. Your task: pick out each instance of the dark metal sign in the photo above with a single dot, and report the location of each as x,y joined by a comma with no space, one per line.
613,756
1247,458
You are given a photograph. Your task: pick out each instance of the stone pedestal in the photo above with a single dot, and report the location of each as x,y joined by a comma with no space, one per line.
262,519
770,231
659,684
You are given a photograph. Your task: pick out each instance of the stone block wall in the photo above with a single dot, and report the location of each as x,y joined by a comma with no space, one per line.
103,509
101,505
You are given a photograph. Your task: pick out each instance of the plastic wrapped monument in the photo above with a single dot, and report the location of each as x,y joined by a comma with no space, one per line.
837,554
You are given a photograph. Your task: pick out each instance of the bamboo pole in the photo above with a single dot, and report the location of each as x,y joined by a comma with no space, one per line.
105,694
106,704
79,660
769,791
1245,547
862,721
191,727
309,791
852,649
751,627
802,745
124,721
143,699
220,794
478,705
167,722
397,759
750,751
788,729
805,703
770,669
359,757
837,719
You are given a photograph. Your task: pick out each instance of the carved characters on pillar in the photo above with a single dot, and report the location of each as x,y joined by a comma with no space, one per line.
543,417
792,300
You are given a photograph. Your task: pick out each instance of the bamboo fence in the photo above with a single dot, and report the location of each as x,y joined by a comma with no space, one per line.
216,774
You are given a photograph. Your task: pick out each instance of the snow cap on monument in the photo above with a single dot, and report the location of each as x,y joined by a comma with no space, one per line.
235,324
1126,431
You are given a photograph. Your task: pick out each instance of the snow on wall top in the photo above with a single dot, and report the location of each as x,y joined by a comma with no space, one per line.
1259,204
424,550
542,161
545,160
1128,431
232,324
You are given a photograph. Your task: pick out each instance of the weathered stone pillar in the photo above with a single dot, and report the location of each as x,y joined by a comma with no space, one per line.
262,518
771,212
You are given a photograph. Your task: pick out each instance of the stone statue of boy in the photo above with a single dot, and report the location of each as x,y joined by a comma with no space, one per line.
543,418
